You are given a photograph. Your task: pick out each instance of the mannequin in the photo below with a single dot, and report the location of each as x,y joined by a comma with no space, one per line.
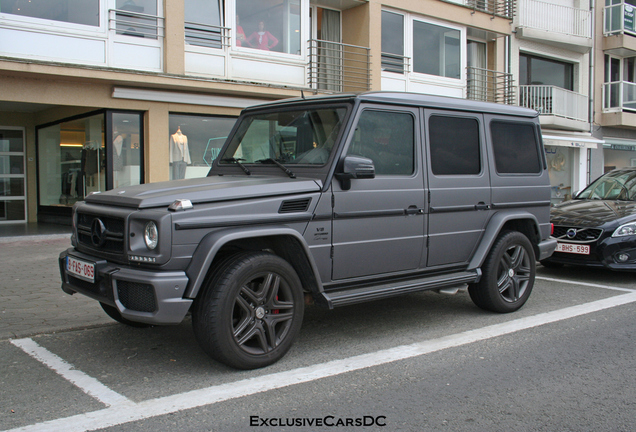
179,154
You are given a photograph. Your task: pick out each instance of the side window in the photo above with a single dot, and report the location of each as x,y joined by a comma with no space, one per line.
516,148
454,144
388,139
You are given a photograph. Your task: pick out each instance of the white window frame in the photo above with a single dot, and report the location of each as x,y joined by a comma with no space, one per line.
22,176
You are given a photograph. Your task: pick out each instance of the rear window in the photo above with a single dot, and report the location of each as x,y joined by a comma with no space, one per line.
516,148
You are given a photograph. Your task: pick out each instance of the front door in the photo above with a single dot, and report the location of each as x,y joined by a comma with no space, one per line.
378,224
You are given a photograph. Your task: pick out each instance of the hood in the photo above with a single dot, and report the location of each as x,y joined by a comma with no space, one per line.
591,213
203,190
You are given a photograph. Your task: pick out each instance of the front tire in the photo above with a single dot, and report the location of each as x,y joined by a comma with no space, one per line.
250,310
508,274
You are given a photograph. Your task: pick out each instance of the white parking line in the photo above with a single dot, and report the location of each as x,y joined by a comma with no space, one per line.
571,282
129,412
87,384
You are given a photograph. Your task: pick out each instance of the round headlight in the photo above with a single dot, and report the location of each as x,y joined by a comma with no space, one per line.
151,235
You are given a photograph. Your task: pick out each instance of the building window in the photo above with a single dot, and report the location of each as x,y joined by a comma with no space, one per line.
436,50
138,18
204,23
270,25
541,71
125,151
195,142
12,175
84,12
393,42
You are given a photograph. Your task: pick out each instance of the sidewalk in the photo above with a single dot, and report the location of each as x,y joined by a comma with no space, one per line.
31,300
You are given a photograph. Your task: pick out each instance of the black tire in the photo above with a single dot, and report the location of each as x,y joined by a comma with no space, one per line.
508,274
114,314
551,264
249,311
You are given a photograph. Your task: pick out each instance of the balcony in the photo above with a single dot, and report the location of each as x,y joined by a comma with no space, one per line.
499,8
489,86
619,29
619,96
338,67
562,26
558,108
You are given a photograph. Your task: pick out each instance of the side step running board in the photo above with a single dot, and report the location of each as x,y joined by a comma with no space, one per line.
374,292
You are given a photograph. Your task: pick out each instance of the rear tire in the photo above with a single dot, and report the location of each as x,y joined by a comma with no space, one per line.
249,311
508,274
114,314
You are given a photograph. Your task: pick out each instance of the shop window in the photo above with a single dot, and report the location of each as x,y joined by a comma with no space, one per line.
204,23
269,25
454,143
194,143
387,138
436,50
515,147
71,161
12,176
125,151
84,12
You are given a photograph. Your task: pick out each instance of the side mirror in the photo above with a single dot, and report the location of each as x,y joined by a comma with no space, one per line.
355,167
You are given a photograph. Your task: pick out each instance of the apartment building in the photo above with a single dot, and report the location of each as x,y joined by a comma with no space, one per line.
615,84
98,94
553,44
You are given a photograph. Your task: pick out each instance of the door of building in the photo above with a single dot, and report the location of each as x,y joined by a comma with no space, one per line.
12,175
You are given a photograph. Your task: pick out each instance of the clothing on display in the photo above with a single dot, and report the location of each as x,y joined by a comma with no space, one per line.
118,153
179,154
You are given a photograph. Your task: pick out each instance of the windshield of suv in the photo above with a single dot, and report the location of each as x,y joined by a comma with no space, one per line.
304,136
618,185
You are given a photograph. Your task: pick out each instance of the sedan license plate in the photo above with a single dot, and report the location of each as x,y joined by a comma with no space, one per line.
81,269
573,248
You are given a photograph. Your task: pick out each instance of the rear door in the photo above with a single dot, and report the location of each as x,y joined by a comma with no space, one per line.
378,224
459,182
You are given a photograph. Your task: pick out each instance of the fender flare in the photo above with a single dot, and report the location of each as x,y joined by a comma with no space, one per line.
210,245
495,224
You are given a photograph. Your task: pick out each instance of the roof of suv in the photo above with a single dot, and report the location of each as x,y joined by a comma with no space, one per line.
413,99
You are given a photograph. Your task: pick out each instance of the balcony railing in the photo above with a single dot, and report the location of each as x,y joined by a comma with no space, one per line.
500,8
555,18
555,101
490,86
207,35
619,18
396,63
140,25
620,95
338,67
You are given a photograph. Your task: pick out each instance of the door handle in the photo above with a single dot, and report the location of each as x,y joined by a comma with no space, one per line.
482,206
413,210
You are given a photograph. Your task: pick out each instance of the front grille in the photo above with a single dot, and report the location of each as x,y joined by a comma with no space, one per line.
137,296
582,235
113,233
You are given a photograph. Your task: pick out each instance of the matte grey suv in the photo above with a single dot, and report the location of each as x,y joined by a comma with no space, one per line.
344,199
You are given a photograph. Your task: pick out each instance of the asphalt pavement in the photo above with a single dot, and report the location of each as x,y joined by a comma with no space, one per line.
31,300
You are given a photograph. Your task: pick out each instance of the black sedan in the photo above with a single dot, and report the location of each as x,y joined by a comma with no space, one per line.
598,227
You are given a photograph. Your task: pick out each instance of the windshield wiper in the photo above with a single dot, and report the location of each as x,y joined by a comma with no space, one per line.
280,165
238,162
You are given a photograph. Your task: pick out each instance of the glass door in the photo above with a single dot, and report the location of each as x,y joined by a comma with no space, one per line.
12,175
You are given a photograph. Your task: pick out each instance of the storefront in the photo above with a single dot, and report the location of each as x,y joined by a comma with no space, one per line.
618,153
89,153
568,163
12,175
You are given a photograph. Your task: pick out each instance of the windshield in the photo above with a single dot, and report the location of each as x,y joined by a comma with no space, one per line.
618,185
304,137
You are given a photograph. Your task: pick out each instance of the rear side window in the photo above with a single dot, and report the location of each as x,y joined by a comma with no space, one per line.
454,143
516,148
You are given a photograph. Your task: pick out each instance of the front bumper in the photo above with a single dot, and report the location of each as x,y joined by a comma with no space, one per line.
151,297
603,254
